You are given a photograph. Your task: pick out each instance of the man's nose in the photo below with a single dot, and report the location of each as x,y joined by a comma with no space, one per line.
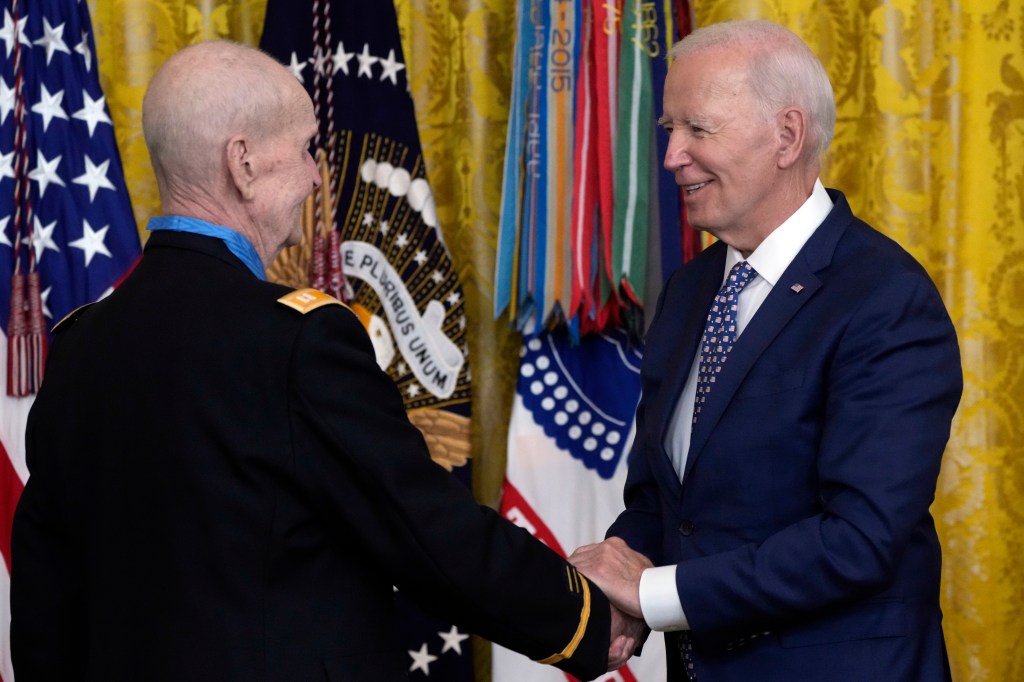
677,153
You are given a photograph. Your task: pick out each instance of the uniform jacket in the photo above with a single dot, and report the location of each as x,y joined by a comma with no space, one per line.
223,488
801,532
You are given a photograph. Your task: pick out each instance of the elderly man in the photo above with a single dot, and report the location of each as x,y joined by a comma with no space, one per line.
224,486
799,381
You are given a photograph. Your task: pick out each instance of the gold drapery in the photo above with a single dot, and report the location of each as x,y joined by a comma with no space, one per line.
929,148
133,38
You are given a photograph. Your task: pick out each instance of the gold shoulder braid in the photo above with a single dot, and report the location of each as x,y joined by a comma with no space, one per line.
305,300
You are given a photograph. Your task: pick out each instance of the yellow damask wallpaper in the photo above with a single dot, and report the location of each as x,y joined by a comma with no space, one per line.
460,67
929,148
133,38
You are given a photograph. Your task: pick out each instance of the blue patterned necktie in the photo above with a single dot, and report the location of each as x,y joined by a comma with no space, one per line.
720,332
719,337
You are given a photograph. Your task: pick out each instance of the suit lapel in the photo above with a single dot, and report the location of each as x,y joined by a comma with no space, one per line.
685,312
781,305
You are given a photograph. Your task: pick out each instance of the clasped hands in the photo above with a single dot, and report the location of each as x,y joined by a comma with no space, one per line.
616,569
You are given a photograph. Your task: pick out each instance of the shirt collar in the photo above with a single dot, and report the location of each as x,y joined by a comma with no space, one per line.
236,242
771,258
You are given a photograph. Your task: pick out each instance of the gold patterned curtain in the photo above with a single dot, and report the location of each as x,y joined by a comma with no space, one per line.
929,148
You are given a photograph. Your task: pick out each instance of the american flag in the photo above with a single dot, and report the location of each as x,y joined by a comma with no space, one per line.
67,233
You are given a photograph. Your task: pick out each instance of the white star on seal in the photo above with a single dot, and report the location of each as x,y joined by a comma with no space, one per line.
402,241
342,58
421,660
413,391
296,68
92,242
420,257
453,640
391,68
366,61
320,60
367,220
438,276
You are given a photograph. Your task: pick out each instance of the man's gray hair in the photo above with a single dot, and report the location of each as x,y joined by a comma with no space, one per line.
784,73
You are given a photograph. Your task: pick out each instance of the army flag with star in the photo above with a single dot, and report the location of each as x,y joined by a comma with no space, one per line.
373,239
67,233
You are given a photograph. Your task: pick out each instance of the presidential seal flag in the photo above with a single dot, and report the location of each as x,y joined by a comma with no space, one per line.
373,240
67,233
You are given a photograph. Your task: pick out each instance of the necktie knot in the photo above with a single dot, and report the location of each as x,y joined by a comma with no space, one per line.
739,276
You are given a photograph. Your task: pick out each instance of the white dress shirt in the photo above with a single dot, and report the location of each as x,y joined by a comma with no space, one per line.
659,598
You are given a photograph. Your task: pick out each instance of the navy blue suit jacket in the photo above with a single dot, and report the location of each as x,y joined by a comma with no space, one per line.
803,512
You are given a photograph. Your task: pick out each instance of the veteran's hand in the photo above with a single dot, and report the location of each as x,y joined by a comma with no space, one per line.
627,633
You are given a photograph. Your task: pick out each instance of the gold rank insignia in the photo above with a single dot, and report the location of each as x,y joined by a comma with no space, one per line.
305,300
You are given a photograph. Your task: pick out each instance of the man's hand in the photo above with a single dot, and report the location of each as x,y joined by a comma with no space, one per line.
616,569
627,632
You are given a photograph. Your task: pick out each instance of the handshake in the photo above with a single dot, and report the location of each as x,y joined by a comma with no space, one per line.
616,569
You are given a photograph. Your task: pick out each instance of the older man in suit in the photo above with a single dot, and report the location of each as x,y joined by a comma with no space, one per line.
799,381
224,485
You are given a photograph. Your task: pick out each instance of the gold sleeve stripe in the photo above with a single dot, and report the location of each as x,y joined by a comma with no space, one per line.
305,300
570,648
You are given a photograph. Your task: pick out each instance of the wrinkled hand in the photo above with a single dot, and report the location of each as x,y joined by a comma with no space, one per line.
616,569
627,632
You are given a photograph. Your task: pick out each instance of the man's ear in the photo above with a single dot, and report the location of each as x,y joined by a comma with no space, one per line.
792,131
241,166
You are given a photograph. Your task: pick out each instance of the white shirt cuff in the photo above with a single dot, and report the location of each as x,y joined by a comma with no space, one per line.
659,600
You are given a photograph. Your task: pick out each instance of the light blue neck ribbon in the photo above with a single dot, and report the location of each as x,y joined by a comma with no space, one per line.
236,242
